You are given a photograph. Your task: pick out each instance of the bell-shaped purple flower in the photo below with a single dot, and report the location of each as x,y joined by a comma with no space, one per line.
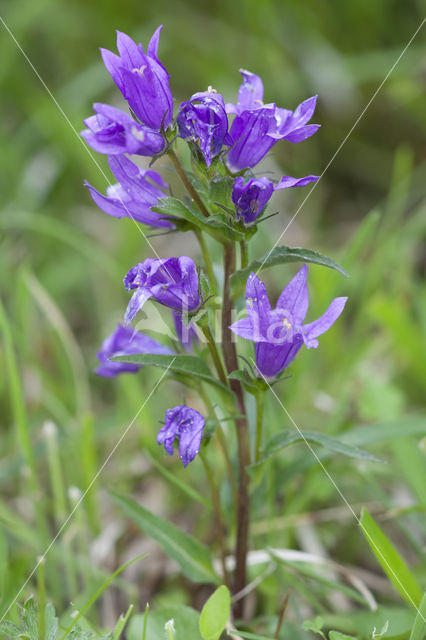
186,331
113,131
187,426
136,192
258,126
279,333
142,79
172,282
203,120
251,198
125,341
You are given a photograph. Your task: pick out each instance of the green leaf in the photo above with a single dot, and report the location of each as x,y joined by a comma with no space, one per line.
391,562
281,255
184,364
121,623
249,636
215,614
336,635
418,632
215,225
185,623
192,556
281,440
97,593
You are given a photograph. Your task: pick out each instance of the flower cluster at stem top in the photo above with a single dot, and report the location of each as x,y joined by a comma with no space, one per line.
226,141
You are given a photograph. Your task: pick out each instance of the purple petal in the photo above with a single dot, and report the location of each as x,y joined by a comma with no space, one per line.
294,298
112,63
250,94
272,359
257,304
136,303
153,43
131,54
288,181
304,112
191,433
111,206
243,328
316,328
298,135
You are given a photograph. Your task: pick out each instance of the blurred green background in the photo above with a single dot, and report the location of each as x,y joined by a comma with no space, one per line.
62,261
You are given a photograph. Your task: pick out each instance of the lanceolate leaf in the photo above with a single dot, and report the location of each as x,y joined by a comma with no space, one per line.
192,556
418,632
183,364
215,225
284,439
391,562
281,255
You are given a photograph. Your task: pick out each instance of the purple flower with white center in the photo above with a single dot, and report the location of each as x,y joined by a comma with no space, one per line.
172,282
257,126
187,426
113,131
279,333
136,192
203,120
251,198
186,333
125,341
142,79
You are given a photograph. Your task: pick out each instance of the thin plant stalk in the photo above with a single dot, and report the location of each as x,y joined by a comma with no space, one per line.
215,355
41,597
220,527
231,362
243,254
206,257
22,426
260,403
182,175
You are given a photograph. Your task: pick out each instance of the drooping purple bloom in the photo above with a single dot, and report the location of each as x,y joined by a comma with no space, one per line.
125,341
187,425
113,131
172,282
279,333
257,126
203,119
136,192
186,332
142,79
251,198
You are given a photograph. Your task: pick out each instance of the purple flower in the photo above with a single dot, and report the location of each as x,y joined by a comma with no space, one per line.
251,198
134,195
257,126
203,119
187,425
186,333
113,131
125,341
279,333
142,79
172,282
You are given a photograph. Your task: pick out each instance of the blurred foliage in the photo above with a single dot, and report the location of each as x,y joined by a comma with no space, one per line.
61,264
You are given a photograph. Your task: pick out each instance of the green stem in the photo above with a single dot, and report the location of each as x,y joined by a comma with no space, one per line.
231,362
243,254
22,427
182,175
206,257
218,513
41,597
260,403
215,355
223,445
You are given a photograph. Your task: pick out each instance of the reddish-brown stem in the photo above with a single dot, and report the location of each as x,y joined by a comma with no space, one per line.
243,505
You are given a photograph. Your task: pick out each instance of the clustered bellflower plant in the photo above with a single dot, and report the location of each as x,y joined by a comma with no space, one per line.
226,200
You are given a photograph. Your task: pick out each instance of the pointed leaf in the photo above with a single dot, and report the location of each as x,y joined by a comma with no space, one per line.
192,556
182,364
281,255
284,439
391,562
418,632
